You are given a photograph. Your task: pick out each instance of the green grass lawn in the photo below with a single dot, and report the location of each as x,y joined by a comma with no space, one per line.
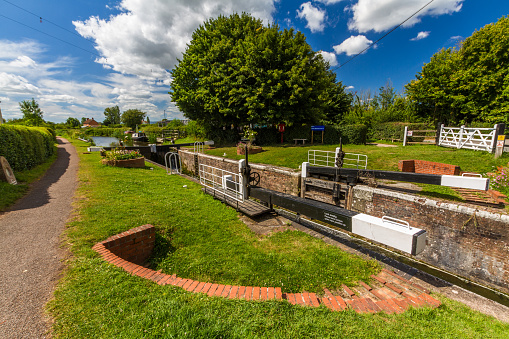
11,193
379,158
202,239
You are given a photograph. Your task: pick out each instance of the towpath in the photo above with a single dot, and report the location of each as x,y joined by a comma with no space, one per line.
30,257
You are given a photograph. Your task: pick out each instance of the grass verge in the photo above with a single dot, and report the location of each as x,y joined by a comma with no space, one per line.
202,238
11,193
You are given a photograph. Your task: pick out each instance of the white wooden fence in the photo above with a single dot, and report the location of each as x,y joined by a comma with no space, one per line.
482,139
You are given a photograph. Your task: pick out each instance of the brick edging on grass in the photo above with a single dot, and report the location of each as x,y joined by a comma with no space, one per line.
130,249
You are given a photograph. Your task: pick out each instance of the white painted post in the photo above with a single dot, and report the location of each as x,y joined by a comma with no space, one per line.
404,136
336,155
304,169
245,180
462,128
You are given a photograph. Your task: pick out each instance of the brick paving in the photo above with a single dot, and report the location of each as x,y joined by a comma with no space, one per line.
387,292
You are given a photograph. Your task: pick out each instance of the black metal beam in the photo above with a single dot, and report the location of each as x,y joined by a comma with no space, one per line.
432,179
330,214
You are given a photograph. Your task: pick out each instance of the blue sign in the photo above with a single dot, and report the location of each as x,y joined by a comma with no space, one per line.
318,128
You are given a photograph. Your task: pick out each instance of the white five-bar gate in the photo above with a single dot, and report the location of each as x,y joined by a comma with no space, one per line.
481,139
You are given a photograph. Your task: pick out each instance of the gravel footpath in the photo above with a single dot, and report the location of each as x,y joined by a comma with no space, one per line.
30,257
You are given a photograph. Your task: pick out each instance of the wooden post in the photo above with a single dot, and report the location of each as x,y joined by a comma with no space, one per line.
322,137
498,140
439,131
312,136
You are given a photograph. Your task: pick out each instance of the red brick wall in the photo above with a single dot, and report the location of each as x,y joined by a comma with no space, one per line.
135,245
428,167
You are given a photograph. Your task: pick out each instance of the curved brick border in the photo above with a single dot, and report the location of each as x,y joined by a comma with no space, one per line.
392,293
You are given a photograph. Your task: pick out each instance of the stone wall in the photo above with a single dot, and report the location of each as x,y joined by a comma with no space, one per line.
463,240
275,178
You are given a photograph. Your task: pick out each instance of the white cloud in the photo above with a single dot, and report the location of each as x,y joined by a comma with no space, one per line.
349,87
329,2
353,45
314,16
330,57
381,15
148,36
420,36
15,84
11,49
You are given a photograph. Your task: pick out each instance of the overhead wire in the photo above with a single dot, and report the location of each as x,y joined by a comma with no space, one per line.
386,34
46,20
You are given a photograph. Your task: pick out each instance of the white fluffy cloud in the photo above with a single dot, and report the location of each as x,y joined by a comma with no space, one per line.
420,36
148,36
329,2
330,57
381,15
15,84
314,16
353,45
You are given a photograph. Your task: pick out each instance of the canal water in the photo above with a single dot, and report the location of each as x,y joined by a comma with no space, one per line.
112,142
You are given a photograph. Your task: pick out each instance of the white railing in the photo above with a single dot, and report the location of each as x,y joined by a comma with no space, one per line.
328,159
482,139
173,163
224,182
198,147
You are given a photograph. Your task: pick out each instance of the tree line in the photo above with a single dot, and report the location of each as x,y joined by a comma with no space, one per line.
238,71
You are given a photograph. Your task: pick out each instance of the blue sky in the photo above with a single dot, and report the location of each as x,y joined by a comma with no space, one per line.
86,55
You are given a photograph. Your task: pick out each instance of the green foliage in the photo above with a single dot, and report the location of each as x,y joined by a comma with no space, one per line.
122,154
385,106
26,147
237,71
32,114
132,117
72,122
112,115
394,131
467,84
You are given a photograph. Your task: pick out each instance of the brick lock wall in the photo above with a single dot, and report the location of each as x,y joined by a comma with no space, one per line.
462,240
429,167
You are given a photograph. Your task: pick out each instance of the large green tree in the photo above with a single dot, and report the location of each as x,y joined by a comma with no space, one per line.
32,114
112,115
238,71
467,84
72,122
132,117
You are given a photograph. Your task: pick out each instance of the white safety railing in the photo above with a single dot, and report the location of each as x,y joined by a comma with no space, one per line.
173,163
224,182
328,159
198,147
482,139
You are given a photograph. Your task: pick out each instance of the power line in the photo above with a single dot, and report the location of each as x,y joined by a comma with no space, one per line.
54,37
46,20
386,34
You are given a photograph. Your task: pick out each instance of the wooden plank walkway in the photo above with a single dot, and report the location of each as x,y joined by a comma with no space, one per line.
249,207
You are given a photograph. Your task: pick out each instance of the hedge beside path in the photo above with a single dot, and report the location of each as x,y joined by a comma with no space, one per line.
25,147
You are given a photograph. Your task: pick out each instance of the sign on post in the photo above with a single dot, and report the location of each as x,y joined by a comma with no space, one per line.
317,128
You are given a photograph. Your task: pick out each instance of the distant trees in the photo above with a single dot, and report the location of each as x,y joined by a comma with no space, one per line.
72,122
132,117
467,84
113,116
32,114
237,71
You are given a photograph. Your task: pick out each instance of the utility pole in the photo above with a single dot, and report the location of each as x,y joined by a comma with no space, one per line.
1,119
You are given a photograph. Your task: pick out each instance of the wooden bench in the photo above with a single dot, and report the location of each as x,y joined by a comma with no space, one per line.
303,141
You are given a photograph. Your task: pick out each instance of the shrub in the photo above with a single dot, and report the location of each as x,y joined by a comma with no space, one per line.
26,147
122,154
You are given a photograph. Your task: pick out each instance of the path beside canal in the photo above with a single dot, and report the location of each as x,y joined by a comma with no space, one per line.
30,254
